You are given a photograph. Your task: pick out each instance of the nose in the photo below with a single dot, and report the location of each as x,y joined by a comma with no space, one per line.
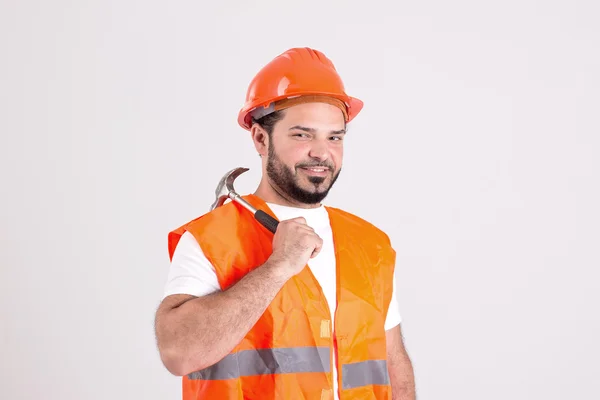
319,150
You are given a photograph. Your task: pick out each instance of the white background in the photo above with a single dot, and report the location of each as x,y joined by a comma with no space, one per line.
477,151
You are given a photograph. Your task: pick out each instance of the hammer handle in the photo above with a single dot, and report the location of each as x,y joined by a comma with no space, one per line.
266,220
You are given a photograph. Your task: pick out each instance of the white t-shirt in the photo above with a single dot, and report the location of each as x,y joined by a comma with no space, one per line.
191,272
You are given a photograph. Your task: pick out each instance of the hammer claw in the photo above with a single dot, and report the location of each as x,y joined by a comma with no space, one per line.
225,190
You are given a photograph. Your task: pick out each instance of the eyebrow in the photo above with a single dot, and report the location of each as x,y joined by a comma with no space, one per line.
312,130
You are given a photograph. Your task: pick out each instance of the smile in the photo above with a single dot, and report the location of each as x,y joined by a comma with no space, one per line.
319,171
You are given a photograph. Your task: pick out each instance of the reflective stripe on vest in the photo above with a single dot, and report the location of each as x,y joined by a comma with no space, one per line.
267,361
363,373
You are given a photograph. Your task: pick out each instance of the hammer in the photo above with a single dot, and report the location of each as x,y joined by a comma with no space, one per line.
225,191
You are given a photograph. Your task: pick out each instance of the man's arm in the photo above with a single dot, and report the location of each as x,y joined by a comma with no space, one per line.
195,332
399,366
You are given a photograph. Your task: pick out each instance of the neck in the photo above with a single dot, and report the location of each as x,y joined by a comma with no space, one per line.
272,194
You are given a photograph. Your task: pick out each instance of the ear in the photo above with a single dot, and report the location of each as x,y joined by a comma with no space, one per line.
260,139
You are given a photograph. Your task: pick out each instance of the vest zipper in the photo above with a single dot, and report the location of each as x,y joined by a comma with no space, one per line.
339,372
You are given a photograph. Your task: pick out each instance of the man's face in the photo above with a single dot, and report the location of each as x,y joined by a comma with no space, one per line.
305,151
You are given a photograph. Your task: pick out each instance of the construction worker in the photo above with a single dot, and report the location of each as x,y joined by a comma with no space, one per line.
309,311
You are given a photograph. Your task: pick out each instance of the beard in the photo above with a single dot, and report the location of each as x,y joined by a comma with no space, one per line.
287,180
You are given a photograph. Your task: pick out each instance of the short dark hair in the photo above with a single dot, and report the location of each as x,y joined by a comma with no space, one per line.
268,121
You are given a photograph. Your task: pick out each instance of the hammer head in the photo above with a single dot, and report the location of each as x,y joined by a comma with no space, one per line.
225,187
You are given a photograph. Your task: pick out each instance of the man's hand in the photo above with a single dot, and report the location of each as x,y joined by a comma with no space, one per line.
294,244
399,366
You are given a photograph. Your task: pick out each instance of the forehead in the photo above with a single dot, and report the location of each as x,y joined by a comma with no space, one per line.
319,116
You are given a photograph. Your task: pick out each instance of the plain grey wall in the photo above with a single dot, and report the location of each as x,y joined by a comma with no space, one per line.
477,151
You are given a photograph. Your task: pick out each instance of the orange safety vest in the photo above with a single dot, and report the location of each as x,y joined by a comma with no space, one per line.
290,352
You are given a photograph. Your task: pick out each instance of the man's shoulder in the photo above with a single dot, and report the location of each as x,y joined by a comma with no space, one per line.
362,224
223,217
223,221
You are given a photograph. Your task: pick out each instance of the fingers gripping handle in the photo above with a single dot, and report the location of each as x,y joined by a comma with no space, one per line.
268,222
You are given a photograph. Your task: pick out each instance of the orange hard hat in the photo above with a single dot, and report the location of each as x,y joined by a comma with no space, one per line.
296,73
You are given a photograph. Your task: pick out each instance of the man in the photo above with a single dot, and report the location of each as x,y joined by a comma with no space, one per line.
308,312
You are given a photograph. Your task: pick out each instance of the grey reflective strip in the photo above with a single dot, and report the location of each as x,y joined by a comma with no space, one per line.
267,361
372,372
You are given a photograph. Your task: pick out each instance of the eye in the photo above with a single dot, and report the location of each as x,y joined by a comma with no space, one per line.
300,134
336,138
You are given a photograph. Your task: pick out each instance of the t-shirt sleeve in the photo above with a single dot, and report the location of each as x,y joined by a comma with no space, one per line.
190,271
393,316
